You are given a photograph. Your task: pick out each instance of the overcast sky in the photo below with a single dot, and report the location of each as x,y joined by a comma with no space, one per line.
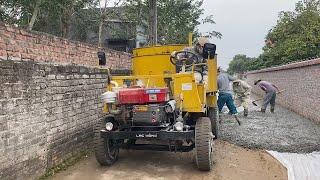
243,24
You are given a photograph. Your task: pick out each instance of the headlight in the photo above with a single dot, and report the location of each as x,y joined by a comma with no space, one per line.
178,126
109,126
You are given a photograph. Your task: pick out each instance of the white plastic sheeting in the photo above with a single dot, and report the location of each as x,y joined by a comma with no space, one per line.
300,166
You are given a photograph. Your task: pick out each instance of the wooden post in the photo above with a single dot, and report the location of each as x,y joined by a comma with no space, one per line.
153,35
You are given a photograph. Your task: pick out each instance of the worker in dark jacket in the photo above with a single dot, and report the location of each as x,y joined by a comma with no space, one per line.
225,93
271,94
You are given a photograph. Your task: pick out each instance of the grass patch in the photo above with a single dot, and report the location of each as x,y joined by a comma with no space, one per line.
66,163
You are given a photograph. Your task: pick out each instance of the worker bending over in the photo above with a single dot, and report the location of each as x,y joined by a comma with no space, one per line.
242,91
271,94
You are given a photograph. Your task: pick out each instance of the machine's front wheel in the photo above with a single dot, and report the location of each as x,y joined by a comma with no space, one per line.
213,114
203,144
106,150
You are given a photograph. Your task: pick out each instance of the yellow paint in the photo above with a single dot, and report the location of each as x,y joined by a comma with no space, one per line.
151,66
212,100
154,60
105,108
212,75
185,85
148,80
141,108
202,94
190,39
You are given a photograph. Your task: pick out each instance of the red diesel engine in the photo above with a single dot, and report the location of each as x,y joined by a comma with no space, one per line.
143,95
146,104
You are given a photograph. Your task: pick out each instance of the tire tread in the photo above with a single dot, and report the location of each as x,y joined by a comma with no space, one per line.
203,136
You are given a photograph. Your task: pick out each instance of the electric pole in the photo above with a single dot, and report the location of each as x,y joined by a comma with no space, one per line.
153,35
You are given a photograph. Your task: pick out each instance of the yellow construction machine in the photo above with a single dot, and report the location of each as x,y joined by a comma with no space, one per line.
167,104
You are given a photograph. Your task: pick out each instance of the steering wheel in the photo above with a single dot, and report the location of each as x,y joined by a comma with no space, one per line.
186,58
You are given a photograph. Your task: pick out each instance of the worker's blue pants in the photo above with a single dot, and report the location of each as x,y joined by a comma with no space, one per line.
226,98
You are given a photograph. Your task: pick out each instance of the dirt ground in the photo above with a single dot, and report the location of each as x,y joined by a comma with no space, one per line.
231,162
282,131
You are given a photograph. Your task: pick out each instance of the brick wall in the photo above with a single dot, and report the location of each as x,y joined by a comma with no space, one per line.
47,114
19,44
49,99
302,84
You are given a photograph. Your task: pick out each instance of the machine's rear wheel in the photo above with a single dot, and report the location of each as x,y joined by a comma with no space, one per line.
213,114
106,151
203,144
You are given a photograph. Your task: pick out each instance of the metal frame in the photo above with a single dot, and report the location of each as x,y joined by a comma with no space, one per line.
153,135
158,147
150,135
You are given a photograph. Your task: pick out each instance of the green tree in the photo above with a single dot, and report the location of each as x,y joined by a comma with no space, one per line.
176,18
240,64
51,16
20,12
99,18
295,37
56,16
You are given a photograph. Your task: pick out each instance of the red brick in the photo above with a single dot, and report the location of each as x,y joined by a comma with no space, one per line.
40,46
3,52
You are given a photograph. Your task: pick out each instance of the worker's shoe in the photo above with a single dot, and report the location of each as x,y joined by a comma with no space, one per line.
245,112
220,118
263,110
237,118
272,109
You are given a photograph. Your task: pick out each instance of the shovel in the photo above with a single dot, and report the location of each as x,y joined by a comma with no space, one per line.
254,102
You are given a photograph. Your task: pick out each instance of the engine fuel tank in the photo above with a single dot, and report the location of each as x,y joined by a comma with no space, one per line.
143,95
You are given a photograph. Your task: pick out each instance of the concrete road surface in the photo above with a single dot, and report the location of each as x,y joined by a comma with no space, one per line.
283,131
231,162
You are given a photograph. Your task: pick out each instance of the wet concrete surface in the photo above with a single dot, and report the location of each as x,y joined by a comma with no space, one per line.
283,131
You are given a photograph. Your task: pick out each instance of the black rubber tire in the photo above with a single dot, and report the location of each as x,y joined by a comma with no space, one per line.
213,114
105,153
204,144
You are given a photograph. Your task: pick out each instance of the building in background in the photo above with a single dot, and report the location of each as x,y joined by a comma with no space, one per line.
117,33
